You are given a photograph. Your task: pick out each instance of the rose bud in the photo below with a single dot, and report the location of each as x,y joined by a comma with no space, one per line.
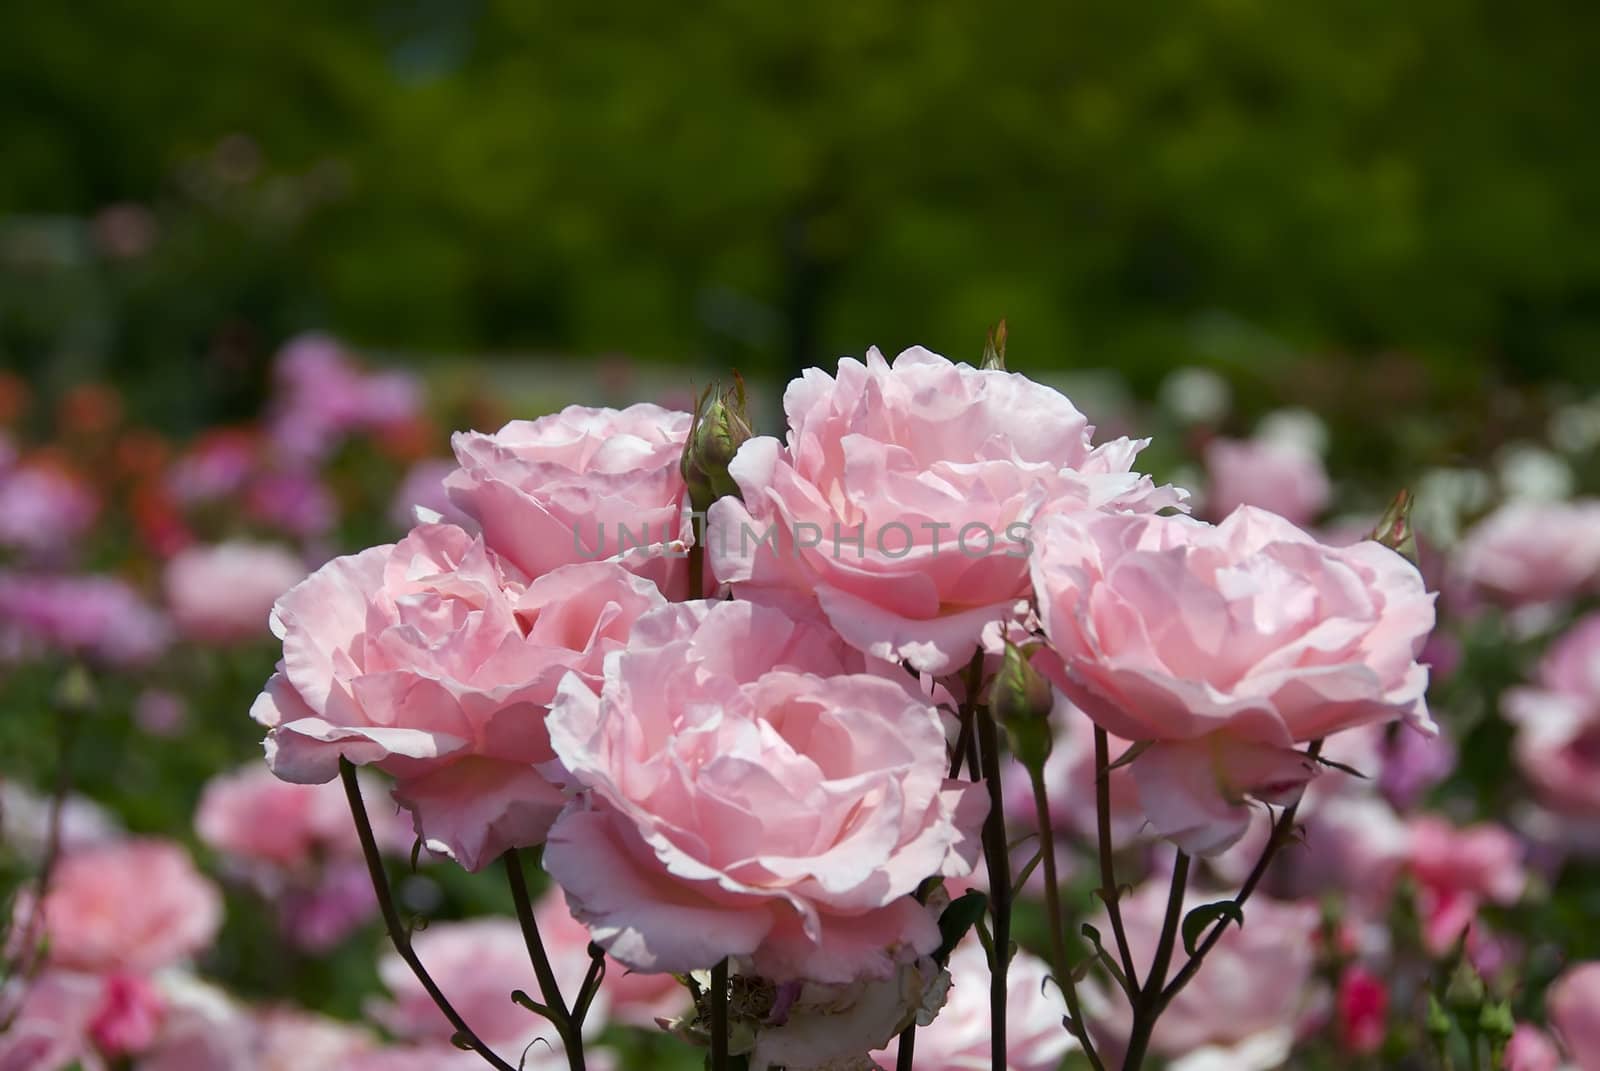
1020,699
721,425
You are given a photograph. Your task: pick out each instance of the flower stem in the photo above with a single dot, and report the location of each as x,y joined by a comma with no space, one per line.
719,1016
1282,830
1109,891
555,1005
999,863
1058,940
392,922
1148,1005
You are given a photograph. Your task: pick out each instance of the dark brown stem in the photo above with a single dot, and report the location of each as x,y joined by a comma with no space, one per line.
719,1016
1109,891
999,863
396,927
555,1006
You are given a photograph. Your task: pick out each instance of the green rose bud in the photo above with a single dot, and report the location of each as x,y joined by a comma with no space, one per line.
721,425
1020,700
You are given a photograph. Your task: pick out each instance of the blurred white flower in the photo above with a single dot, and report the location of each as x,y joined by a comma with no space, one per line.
1196,395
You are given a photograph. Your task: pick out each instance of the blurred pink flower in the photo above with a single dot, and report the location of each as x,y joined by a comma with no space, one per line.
131,905
1281,476
1363,1009
1457,870
44,509
436,660
1573,1007
958,1037
160,712
324,396
903,455
294,502
50,1031
96,617
1533,552
250,814
1413,763
423,487
747,794
1557,746
1530,1049
634,997
476,964
222,594
1245,1009
128,1016
216,466
1229,647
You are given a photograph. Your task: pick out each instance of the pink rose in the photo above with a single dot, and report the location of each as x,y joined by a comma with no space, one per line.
1244,1009
132,905
958,1038
1557,745
1275,474
752,792
579,485
223,593
1533,552
1573,1005
476,964
634,997
904,499
1457,870
1530,1049
437,661
1228,647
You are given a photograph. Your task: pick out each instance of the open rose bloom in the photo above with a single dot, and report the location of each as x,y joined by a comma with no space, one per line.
436,660
904,496
1228,648
751,790
756,799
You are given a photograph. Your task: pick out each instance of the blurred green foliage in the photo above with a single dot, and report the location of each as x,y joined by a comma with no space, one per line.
1225,182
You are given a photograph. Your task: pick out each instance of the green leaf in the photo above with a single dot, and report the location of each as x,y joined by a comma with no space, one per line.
962,914
1198,921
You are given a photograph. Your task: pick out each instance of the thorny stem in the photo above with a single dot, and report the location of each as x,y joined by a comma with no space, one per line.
1058,940
1109,892
555,1006
719,1016
396,927
1282,830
